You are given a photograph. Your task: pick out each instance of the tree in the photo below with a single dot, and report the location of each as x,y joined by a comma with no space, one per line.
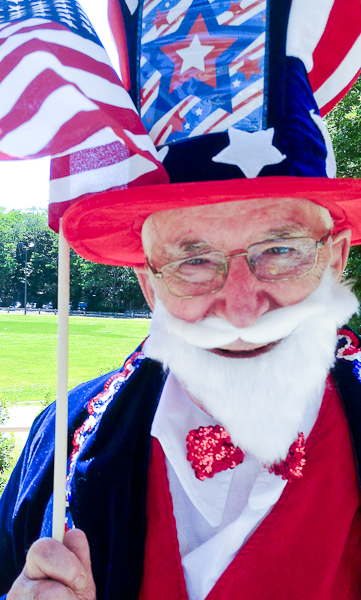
344,125
7,445
27,228
103,287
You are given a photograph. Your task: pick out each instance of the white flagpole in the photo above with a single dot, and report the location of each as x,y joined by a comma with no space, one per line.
61,420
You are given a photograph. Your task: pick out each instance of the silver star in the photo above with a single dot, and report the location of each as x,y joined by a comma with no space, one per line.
250,152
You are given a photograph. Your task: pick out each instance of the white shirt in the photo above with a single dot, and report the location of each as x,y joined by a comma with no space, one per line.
214,517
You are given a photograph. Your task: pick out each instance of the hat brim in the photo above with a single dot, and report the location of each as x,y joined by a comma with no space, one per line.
106,227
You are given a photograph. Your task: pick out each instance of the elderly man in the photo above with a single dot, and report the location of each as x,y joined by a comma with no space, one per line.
224,268
220,462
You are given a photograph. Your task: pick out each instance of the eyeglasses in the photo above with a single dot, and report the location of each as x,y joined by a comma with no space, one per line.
273,260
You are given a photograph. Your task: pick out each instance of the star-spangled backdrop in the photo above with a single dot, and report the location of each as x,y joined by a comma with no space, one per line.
202,67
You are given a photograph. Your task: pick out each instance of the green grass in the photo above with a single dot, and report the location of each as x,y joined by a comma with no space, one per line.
28,346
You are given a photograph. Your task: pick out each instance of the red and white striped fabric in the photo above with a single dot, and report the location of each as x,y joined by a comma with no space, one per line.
60,96
325,35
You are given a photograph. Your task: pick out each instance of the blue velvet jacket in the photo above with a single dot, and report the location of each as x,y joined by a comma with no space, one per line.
110,483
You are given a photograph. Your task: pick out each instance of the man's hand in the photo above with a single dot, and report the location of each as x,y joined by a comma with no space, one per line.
56,571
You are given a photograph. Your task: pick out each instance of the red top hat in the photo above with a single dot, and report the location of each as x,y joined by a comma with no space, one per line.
230,93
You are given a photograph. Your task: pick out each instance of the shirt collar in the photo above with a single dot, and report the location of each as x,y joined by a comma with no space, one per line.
176,415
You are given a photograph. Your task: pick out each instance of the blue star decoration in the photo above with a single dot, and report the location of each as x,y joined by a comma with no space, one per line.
250,152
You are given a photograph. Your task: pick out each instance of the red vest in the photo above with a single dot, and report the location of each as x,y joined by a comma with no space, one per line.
307,548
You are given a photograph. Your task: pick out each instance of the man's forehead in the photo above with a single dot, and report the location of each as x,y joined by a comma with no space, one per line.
190,228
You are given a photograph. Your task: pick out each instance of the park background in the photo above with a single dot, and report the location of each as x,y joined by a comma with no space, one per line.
97,345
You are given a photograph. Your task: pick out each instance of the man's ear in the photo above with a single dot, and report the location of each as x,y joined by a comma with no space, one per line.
341,242
145,284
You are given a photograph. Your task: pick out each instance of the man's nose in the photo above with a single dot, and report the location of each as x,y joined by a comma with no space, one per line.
243,298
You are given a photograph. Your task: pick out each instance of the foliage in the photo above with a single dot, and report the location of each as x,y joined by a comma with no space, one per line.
353,275
102,287
344,125
29,228
7,445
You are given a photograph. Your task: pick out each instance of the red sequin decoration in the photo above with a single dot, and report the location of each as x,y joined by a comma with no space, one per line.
210,451
291,468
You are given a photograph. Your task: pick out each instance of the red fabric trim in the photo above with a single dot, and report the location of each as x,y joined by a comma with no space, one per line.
308,547
106,227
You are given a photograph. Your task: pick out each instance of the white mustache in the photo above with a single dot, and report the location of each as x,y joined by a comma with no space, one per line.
214,332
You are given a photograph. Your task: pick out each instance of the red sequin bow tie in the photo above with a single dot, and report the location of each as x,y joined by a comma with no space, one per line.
210,451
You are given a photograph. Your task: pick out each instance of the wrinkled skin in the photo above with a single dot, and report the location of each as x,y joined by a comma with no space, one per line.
230,227
56,571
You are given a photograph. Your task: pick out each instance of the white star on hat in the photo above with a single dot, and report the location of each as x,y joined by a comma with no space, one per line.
250,151
194,55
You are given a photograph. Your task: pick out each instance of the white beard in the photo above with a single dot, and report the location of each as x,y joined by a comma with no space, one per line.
261,401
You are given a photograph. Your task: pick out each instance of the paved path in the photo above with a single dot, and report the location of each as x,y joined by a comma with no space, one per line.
20,419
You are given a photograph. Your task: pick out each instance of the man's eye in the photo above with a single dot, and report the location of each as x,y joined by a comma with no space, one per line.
195,262
279,250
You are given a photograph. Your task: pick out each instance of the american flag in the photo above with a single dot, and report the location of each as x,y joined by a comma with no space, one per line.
60,96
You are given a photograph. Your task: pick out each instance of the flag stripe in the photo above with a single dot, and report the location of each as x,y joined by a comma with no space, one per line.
67,57
93,86
341,77
129,170
8,30
54,34
57,109
328,55
102,137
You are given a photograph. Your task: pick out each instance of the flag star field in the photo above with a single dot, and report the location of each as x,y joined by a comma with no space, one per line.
66,12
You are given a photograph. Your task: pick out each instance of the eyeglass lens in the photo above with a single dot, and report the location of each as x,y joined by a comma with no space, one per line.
269,261
285,258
